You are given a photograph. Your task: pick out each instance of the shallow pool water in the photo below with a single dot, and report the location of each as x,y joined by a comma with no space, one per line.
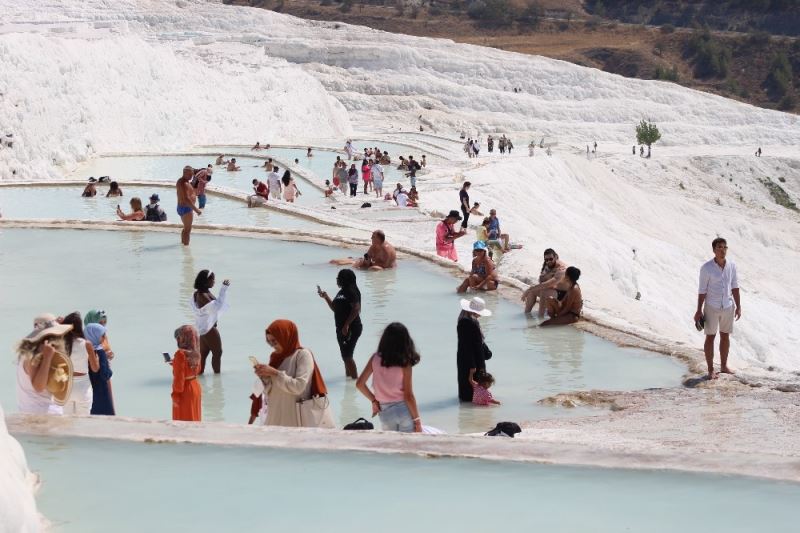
144,282
98,485
65,202
169,168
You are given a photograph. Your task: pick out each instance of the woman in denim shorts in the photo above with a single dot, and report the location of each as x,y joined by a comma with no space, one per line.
392,394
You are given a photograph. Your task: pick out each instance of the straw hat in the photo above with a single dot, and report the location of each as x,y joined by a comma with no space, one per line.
46,325
476,305
59,378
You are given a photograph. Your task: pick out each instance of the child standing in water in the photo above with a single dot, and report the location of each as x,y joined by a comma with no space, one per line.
480,389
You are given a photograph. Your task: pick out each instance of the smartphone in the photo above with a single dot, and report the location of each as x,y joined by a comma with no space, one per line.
319,290
254,361
167,357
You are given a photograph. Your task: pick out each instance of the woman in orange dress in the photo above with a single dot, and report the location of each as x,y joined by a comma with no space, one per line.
186,392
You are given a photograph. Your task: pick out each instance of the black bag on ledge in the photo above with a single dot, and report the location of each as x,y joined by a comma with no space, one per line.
504,429
360,424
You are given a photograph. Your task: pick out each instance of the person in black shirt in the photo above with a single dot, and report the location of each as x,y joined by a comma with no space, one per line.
472,350
463,196
346,307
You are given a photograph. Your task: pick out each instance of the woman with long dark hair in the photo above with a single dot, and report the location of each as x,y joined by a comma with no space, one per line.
83,357
390,367
207,309
567,306
346,307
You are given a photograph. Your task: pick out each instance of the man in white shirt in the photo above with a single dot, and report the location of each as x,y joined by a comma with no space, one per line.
718,304
274,184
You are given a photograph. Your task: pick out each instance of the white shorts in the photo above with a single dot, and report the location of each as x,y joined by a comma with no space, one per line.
275,194
719,319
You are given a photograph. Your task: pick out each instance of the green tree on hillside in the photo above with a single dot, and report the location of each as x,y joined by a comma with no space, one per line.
647,133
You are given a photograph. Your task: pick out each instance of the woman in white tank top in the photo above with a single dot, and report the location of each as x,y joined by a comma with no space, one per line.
83,356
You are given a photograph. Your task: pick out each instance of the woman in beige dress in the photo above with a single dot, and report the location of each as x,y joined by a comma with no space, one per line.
291,375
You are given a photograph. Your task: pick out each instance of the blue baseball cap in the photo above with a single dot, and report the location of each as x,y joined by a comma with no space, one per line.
479,245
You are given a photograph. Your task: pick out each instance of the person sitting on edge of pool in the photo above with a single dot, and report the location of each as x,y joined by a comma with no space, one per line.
261,193
380,256
482,276
136,214
232,165
567,306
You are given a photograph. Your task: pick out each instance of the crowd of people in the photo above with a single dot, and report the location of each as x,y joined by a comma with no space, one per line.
289,388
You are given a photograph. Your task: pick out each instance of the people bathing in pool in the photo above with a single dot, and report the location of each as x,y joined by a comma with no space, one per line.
136,214
261,195
380,256
186,203
257,146
346,307
567,306
221,160
232,167
90,191
552,273
290,190
482,382
483,276
113,190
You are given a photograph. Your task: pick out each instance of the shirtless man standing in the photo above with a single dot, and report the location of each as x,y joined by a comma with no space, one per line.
186,207
381,255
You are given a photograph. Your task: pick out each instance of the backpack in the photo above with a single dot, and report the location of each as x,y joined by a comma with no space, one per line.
153,213
360,424
504,429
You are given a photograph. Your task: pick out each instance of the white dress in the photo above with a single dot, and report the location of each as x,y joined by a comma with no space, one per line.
30,401
205,317
80,400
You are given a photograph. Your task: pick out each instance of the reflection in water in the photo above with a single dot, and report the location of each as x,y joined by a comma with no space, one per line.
475,418
214,398
561,349
349,408
186,285
380,288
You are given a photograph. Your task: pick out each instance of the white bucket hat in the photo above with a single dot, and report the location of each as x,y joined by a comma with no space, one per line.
476,305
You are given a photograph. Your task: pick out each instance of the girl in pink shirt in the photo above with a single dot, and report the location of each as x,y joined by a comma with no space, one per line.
392,394
480,389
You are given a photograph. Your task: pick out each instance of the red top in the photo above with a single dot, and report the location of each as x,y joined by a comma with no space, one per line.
262,189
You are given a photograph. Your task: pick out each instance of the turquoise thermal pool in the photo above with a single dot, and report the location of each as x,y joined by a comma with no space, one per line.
143,280
95,485
65,202
168,168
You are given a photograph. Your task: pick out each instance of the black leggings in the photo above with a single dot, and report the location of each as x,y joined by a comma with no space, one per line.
353,189
464,212
347,345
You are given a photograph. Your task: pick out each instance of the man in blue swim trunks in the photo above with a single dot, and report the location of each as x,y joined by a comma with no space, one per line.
186,199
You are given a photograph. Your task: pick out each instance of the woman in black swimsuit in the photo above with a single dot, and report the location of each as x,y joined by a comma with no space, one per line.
567,307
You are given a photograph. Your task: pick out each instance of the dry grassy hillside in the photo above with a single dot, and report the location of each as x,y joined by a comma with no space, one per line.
754,67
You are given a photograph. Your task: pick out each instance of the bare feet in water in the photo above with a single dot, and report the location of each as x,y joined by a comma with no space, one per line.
712,375
726,370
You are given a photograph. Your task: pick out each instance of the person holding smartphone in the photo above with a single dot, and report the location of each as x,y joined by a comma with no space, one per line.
346,307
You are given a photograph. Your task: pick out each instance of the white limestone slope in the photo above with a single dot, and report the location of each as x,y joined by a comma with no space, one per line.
17,506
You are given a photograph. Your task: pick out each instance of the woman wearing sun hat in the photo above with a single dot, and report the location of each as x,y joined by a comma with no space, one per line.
44,372
483,276
472,350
